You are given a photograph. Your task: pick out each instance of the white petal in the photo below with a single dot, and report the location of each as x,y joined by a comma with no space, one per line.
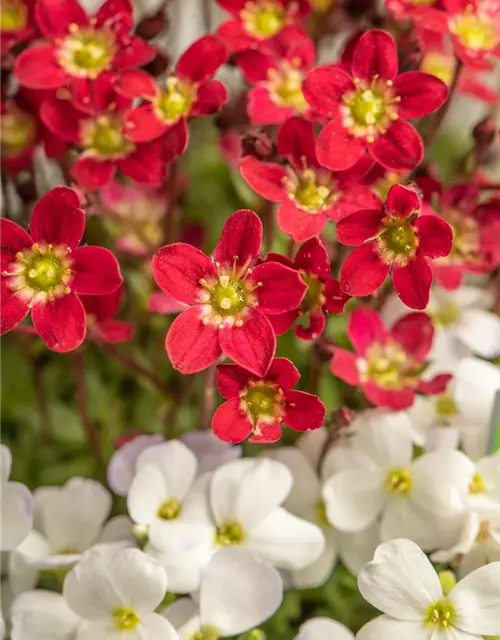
324,629
23,574
404,518
476,383
118,529
5,465
447,346
122,466
155,627
16,515
108,577
447,437
387,628
286,541
386,443
480,331
210,452
477,601
74,518
248,490
316,574
181,612
312,444
151,627
177,464
42,615
147,493
238,592
356,549
353,499
473,297
441,481
400,580
489,468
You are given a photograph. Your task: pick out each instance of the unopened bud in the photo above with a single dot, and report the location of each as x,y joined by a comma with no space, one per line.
258,145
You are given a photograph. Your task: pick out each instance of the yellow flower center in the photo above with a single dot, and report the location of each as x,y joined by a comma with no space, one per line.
229,533
17,132
170,509
369,109
474,32
309,195
263,19
484,533
314,297
87,51
399,482
206,633
13,15
445,406
286,87
387,365
439,65
176,100
125,619
477,485
103,137
447,314
440,615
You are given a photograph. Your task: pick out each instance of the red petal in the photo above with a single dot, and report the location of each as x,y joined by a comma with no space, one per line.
91,174
114,331
103,307
313,258
336,299
135,83
61,324
359,227
279,288
315,328
400,148
160,302
324,88
435,236
62,119
266,178
413,283
146,165
402,201
303,411
281,322
395,400
449,277
116,15
57,218
364,328
142,124
210,97
13,308
262,110
178,269
231,379
174,142
363,271
37,68
437,385
191,345
266,433
415,333
299,224
12,240
240,239
230,424
420,94
54,17
252,345
353,198
336,148
254,65
375,55
201,60
133,52
297,142
344,366
283,372
96,271
235,36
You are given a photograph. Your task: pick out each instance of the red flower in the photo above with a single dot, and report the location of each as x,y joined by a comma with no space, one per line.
100,312
230,299
323,292
99,133
257,22
404,9
396,239
309,194
278,76
260,406
43,271
388,363
17,23
369,104
190,91
80,48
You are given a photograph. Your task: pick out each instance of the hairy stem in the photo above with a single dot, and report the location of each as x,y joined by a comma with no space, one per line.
208,398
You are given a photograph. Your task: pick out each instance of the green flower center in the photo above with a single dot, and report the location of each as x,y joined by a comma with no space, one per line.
447,314
13,15
400,238
387,365
229,533
367,107
440,615
261,401
228,296
399,482
104,136
17,132
445,406
263,19
43,272
125,619
474,32
309,195
176,101
286,88
206,633
86,52
477,485
314,297
170,509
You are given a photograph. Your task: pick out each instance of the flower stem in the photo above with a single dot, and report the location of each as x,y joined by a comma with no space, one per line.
208,398
169,231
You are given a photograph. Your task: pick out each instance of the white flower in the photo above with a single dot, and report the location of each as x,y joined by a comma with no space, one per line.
324,629
401,582
43,615
237,593
122,466
415,498
16,506
116,592
239,504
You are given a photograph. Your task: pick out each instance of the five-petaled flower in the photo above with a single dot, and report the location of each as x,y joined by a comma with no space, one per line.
388,363
230,299
323,292
258,22
260,406
309,194
189,91
80,48
44,270
369,104
395,239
